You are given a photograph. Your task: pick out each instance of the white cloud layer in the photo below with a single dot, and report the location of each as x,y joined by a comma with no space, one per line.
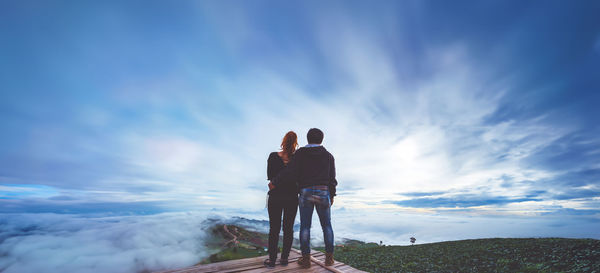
75,243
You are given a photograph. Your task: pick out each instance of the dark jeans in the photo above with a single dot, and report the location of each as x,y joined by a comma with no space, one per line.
311,198
289,207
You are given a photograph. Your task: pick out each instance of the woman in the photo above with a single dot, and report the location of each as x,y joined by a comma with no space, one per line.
284,199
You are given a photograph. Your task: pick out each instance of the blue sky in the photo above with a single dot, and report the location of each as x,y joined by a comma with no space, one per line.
470,107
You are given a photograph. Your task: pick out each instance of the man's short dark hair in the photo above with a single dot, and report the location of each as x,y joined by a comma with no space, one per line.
314,136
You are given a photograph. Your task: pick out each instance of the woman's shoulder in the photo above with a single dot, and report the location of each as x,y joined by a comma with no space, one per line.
273,155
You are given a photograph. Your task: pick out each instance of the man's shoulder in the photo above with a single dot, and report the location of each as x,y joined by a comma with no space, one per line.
327,152
301,150
304,152
330,155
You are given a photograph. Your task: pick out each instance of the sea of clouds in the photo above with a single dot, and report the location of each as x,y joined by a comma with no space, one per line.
47,242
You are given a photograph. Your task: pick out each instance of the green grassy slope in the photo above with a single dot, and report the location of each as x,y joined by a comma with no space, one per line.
234,243
482,255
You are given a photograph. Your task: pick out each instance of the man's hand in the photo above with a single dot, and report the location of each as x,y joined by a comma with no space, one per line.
332,200
271,186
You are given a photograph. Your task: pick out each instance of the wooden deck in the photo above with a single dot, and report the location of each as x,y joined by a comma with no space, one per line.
255,265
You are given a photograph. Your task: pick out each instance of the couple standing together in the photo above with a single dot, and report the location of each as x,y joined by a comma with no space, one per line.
309,172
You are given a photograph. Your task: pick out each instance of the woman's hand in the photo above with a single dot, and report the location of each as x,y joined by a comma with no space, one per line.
271,186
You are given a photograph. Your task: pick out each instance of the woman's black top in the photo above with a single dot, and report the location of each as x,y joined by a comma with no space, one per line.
274,166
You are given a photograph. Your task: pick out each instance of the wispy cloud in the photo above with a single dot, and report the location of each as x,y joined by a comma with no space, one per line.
11,191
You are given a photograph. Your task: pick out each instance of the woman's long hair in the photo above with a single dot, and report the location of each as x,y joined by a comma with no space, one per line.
289,145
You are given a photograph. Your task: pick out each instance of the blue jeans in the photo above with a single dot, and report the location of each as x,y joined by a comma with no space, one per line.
310,198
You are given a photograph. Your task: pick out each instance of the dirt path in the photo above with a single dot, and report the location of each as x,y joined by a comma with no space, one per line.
234,240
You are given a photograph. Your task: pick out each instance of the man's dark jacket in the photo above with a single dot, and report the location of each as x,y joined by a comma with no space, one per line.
311,166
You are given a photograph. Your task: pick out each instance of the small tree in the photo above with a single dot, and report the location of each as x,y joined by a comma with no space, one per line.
412,240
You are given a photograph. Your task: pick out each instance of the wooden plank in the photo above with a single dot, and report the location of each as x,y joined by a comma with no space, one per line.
322,264
220,266
260,268
321,258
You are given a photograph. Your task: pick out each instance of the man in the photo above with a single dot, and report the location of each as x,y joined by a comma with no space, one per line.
313,170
